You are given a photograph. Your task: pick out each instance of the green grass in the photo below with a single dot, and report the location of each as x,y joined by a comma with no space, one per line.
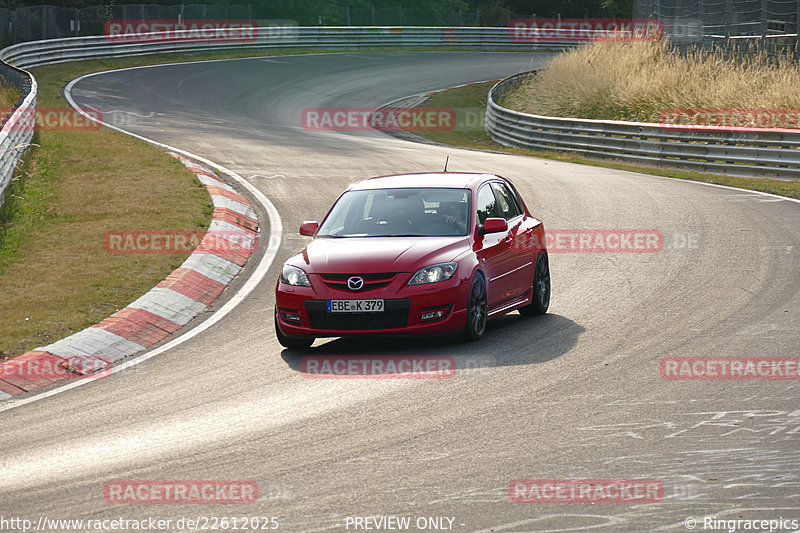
471,100
55,275
9,95
469,104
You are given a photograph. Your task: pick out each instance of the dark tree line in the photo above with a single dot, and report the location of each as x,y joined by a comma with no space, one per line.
480,12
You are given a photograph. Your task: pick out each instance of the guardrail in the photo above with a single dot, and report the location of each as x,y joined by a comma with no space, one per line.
735,153
17,130
31,54
38,53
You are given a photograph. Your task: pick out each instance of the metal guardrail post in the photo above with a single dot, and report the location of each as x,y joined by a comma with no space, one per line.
17,131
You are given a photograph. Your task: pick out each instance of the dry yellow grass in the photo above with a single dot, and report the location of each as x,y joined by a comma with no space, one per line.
637,81
8,96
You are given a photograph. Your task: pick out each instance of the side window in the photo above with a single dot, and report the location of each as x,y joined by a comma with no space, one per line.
486,204
508,206
517,199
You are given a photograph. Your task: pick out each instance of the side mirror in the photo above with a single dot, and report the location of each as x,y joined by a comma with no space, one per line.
309,228
493,225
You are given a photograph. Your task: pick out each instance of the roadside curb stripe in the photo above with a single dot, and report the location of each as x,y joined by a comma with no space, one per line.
211,266
26,383
193,284
93,342
235,196
231,230
242,209
226,215
9,388
139,325
206,180
185,293
169,304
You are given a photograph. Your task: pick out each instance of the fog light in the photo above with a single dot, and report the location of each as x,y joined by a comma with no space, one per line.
290,317
432,315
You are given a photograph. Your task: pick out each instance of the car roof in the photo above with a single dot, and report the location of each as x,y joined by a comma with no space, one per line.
455,180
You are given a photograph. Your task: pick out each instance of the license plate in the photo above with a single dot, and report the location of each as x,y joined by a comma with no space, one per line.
355,306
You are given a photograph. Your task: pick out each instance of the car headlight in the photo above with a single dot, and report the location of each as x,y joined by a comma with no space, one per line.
433,273
292,275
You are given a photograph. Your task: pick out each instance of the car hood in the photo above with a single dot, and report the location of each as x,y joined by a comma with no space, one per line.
377,254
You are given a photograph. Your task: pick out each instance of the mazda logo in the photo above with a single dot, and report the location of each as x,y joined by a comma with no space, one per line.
355,283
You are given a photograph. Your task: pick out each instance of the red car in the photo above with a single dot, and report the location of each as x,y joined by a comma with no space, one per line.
414,254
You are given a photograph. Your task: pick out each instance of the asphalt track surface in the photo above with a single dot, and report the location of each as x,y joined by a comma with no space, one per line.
575,394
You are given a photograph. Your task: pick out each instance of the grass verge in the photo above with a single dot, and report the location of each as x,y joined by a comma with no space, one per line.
55,276
469,104
9,95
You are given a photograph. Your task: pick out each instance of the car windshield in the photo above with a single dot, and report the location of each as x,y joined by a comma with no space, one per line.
420,212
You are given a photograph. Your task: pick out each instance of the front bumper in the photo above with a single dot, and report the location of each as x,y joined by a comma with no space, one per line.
302,311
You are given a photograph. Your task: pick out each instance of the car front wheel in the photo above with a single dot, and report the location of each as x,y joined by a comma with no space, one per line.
477,309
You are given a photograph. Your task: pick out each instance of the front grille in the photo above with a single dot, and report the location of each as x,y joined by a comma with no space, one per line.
371,281
394,315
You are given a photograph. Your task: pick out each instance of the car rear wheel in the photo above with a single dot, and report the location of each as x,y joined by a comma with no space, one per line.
477,309
541,288
293,343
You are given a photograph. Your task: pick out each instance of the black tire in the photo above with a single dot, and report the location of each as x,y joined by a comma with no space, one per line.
541,288
477,309
292,343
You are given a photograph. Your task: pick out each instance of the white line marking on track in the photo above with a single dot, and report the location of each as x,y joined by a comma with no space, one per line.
151,114
279,176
